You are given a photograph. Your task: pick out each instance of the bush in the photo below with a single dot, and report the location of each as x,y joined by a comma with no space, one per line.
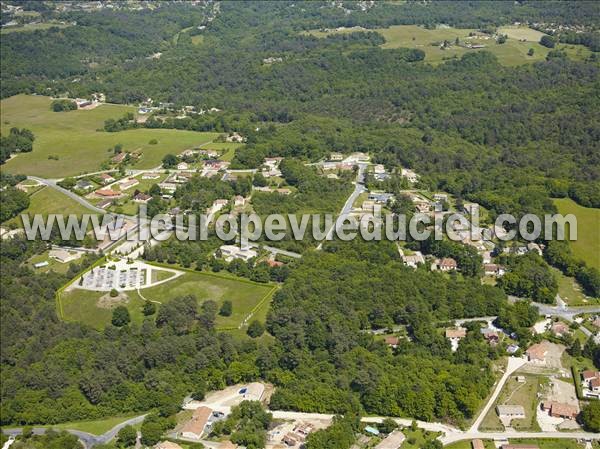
548,41
255,329
120,316
153,142
63,105
114,293
226,308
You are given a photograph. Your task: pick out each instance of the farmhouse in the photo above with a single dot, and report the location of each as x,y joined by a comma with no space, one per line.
127,184
537,353
559,410
194,428
510,411
106,178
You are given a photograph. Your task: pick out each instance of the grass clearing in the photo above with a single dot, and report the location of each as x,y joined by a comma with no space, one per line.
512,52
97,427
466,444
73,137
549,443
416,439
587,245
516,393
32,27
81,305
48,201
521,33
570,290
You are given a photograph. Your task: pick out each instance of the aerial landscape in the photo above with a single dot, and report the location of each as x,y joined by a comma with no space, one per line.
299,224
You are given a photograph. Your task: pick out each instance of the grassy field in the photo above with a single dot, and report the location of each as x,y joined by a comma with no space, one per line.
570,291
32,27
466,444
97,427
587,245
81,305
549,443
416,439
74,139
47,201
512,52
53,265
515,393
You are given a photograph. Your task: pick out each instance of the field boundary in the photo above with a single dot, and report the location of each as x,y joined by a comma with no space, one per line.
59,305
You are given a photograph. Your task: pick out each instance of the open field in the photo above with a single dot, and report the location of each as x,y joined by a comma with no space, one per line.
587,245
549,443
73,137
97,427
32,27
466,444
50,201
228,149
521,33
82,305
515,393
416,439
512,52
570,291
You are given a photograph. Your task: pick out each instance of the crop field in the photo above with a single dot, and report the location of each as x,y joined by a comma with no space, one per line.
69,143
512,52
82,305
587,245
50,201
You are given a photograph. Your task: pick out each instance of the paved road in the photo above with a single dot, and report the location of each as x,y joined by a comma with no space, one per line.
52,184
514,363
358,189
86,438
453,437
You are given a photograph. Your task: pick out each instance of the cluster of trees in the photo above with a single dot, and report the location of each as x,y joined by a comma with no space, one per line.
467,258
51,439
17,141
63,105
529,276
246,425
13,202
125,122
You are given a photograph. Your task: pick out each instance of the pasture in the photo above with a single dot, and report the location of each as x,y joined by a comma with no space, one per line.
73,143
82,305
587,245
512,52
50,201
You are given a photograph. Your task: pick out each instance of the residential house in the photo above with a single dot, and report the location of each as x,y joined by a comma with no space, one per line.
535,248
410,175
537,353
440,197
283,191
491,336
492,269
273,162
447,264
151,175
368,205
235,137
128,183
511,349
560,329
357,157
560,410
379,169
41,264
510,411
455,335
413,259
182,166
194,428
107,193
392,341
119,157
104,204
393,441
106,178
167,445
239,201
336,157
381,198
84,184
142,198
329,165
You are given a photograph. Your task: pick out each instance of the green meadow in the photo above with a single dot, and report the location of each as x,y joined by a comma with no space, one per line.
512,52
50,201
72,143
81,305
587,245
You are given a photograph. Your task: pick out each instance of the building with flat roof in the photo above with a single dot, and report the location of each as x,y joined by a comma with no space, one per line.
510,411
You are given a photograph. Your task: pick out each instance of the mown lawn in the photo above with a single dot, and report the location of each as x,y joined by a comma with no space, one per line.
466,444
587,245
81,305
97,427
73,137
512,52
